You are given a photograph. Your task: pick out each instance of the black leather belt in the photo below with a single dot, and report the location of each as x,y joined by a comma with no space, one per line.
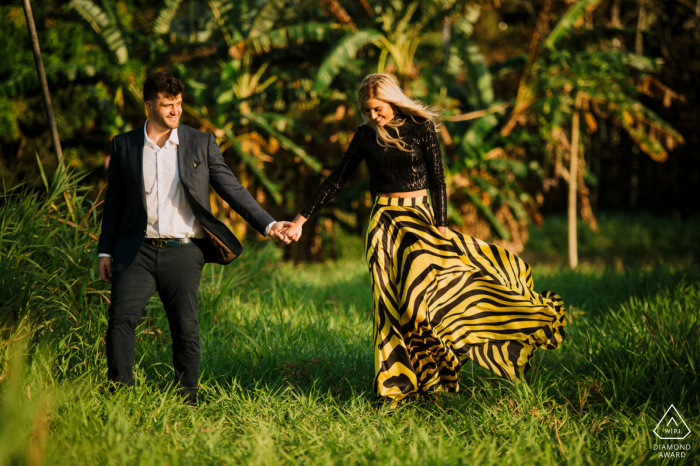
167,242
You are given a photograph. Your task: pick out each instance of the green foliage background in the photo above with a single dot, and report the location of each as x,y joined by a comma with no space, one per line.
287,364
276,81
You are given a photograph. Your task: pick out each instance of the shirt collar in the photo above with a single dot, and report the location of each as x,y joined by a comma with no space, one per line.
173,139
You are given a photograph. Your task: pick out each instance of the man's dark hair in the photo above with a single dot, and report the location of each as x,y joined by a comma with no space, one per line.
161,81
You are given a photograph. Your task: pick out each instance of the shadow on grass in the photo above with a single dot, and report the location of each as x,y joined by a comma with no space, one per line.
633,341
275,326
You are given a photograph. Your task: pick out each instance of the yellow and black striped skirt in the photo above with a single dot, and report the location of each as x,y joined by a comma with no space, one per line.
439,301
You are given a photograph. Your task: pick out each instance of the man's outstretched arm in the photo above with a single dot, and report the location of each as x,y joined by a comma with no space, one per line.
232,191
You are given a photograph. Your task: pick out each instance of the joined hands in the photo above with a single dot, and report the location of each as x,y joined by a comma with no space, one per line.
278,231
291,231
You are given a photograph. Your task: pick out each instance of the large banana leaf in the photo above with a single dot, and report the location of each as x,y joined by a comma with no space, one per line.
165,16
488,213
473,142
431,9
285,142
566,23
478,77
252,164
266,18
344,52
26,82
105,27
285,36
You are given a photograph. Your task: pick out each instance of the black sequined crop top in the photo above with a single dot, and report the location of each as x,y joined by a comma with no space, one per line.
391,170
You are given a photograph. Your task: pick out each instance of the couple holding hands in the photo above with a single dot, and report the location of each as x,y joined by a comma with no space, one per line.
440,298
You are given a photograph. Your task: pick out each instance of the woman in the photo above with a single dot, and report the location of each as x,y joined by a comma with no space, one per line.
440,298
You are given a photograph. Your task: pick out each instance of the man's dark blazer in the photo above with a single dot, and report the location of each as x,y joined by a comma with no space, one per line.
201,163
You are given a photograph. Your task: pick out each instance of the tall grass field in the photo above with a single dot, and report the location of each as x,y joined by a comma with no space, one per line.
287,364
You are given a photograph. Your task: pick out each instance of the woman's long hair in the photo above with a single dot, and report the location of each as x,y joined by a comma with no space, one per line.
382,87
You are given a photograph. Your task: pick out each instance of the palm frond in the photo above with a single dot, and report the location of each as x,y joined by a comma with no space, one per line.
487,212
285,36
648,130
165,16
473,143
266,18
431,9
403,23
285,142
252,164
479,79
341,55
223,11
27,81
566,23
105,27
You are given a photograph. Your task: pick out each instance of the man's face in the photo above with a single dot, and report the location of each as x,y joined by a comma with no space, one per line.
165,110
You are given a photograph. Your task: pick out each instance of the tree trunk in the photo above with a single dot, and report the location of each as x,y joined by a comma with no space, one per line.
615,16
573,176
641,27
308,248
42,80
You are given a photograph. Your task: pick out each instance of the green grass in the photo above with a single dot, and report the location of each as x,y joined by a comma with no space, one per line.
624,240
287,368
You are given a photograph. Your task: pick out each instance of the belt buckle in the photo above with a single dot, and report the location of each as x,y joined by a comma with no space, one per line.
160,243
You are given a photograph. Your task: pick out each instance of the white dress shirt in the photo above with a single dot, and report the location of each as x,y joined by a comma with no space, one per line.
169,213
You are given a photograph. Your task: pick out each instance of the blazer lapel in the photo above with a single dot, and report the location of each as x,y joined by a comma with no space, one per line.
184,155
136,162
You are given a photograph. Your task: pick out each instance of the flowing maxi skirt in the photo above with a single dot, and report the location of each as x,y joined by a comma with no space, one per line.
440,301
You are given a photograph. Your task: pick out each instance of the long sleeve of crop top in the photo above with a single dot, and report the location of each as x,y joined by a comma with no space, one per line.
337,179
436,176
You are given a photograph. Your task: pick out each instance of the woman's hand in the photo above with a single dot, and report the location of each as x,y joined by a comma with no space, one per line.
293,232
443,231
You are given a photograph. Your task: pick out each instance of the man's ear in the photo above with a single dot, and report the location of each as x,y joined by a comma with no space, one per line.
148,107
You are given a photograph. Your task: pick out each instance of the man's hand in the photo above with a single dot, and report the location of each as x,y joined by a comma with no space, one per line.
279,230
105,267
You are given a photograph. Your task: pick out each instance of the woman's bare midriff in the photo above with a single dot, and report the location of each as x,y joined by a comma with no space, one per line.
419,193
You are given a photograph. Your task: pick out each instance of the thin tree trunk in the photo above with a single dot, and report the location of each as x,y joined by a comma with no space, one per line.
615,16
44,84
641,27
573,176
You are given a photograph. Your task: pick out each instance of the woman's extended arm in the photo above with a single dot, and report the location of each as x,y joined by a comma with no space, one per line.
331,185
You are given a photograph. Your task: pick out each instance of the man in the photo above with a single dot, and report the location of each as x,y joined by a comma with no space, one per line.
158,229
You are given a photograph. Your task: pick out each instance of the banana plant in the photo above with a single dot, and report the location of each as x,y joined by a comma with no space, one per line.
233,118
484,174
249,132
105,23
567,78
398,38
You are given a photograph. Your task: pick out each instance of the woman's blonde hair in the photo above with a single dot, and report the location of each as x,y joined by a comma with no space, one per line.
383,87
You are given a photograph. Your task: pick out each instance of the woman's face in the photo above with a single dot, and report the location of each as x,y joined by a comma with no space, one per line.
379,111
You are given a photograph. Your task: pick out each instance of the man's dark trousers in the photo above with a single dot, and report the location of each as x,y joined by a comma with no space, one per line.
175,273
